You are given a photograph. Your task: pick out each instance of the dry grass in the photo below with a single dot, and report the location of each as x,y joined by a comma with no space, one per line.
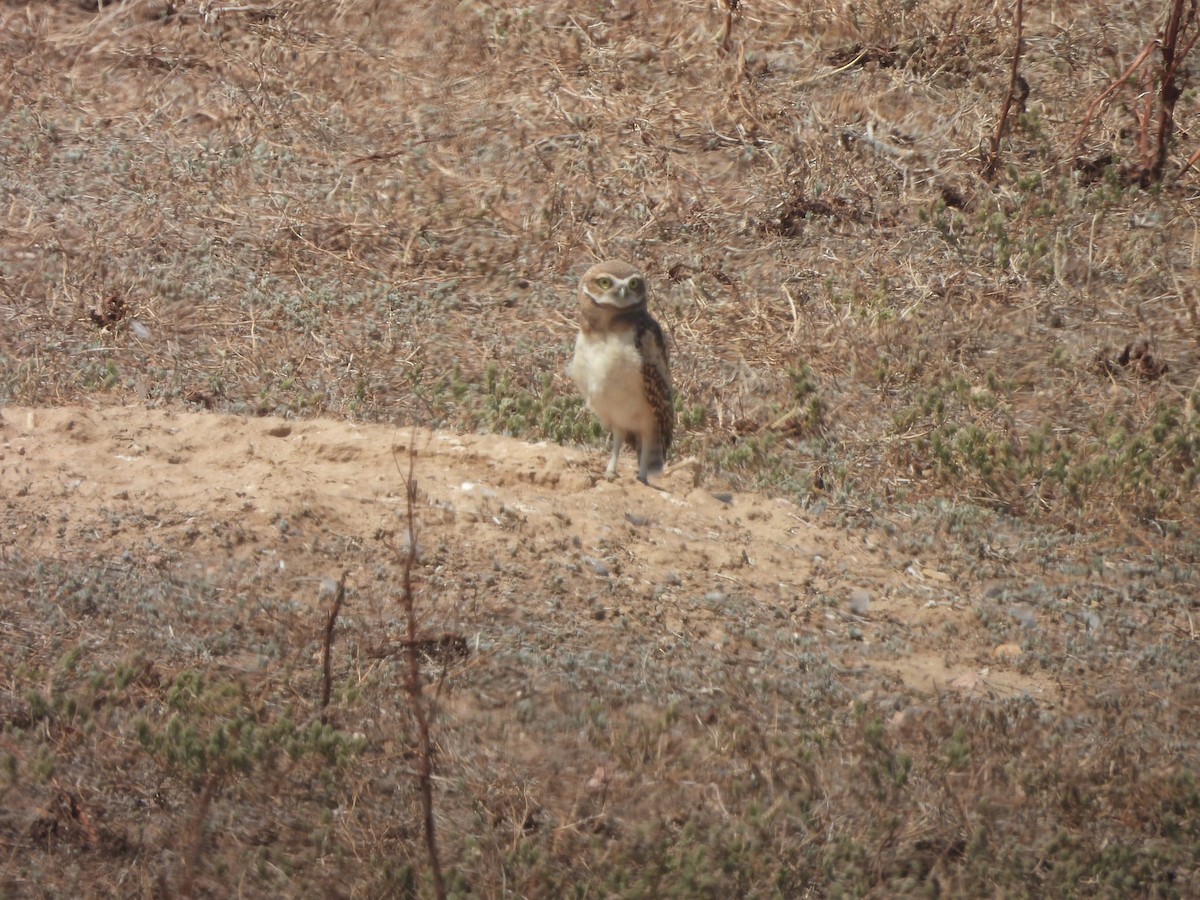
339,211
376,210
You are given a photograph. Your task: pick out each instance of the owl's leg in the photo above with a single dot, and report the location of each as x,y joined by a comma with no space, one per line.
618,438
651,457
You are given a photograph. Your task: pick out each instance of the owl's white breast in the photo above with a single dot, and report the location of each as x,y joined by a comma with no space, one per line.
607,369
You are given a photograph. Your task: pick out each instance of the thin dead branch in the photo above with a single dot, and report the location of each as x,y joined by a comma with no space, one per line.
730,7
1015,84
1154,110
1191,161
414,688
195,834
1169,90
327,643
1094,106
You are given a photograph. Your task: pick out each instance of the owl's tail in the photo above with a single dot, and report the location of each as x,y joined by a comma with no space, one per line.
652,455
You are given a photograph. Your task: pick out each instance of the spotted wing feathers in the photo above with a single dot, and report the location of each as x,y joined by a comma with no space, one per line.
656,380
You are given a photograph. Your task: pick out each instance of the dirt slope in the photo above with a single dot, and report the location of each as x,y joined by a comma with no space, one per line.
212,492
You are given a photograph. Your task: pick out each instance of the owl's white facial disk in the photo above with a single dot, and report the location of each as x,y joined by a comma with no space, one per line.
620,293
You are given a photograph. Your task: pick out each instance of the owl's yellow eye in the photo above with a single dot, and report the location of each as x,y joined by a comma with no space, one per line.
635,284
604,282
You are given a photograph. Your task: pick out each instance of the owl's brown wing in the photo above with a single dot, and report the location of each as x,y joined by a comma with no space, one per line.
656,376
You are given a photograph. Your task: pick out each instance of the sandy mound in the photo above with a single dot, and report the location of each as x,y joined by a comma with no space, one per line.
204,490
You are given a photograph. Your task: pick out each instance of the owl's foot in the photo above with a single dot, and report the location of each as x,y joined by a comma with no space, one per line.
618,438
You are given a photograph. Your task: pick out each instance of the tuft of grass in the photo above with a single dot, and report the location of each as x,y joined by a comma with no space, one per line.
325,211
533,410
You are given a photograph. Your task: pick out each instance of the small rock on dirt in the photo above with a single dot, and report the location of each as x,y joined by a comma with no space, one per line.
1007,651
1024,615
596,566
860,602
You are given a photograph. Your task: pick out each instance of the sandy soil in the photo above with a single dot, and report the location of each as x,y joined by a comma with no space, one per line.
211,491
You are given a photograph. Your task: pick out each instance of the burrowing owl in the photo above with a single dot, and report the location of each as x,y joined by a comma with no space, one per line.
621,365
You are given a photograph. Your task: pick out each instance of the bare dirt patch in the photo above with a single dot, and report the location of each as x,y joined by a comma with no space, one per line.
916,616
603,653
119,481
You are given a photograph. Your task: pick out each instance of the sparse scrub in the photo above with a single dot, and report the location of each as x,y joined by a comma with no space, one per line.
542,410
987,387
1161,89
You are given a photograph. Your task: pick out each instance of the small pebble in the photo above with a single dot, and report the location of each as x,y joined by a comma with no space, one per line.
596,566
860,602
1024,615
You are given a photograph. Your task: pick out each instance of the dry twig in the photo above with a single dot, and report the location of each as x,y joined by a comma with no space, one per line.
415,694
1154,131
1110,90
727,39
1169,89
327,644
196,834
1014,83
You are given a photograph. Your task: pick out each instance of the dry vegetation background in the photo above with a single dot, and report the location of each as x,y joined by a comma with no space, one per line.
375,212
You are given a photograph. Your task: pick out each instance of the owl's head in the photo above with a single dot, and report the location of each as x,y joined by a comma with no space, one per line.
613,284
